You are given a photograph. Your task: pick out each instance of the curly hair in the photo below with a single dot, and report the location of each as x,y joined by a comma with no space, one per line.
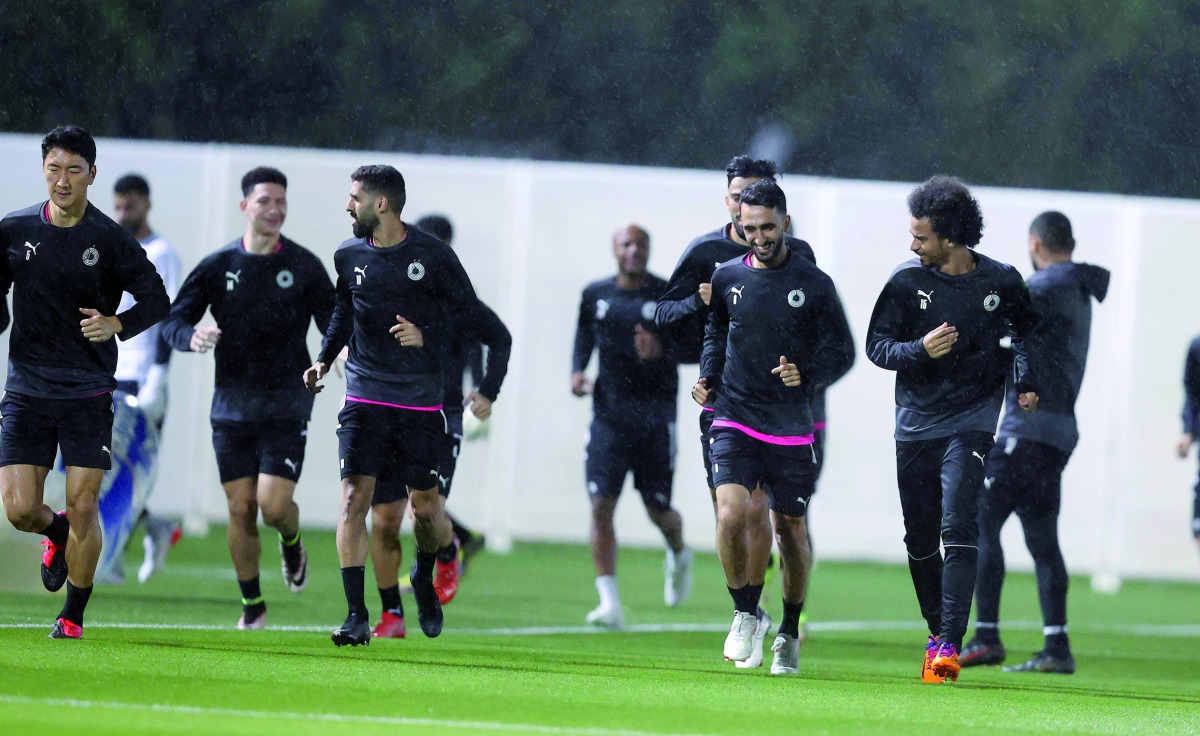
953,213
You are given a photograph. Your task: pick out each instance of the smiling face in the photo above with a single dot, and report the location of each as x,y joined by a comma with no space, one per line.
265,208
765,228
68,177
931,250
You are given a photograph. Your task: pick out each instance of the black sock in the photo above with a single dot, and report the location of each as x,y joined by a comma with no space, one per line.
390,598
291,549
1057,645
446,554
746,599
353,584
77,600
58,530
987,633
464,534
791,618
425,562
252,600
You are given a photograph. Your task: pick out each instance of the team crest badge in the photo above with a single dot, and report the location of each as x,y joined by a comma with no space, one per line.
796,298
991,302
416,271
284,279
90,256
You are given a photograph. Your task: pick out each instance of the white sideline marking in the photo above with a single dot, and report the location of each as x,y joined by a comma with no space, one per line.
1169,631
333,717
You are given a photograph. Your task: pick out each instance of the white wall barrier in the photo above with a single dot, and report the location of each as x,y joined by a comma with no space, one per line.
533,234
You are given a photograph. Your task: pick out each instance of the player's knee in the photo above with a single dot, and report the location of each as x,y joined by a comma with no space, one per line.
23,516
425,510
273,514
82,510
243,510
386,521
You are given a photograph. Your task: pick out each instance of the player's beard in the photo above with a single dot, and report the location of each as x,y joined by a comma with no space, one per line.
767,254
362,229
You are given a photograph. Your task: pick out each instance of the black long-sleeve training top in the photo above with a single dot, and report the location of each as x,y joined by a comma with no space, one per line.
419,279
263,305
1062,296
53,273
628,390
961,391
756,316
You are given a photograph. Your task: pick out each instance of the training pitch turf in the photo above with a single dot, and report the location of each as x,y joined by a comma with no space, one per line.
163,658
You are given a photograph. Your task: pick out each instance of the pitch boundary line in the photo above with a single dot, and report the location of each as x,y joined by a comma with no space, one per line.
333,717
1170,631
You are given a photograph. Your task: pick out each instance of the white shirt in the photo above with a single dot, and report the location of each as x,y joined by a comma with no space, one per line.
136,355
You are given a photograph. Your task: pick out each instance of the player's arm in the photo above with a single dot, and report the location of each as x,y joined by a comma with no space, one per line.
139,277
179,328
320,296
682,299
834,355
887,343
585,344
1023,319
341,321
716,341
490,330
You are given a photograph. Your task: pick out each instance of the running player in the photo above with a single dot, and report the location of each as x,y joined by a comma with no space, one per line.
948,396
633,417
263,290
391,496
142,362
1024,470
776,333
67,264
399,294
1191,421
683,309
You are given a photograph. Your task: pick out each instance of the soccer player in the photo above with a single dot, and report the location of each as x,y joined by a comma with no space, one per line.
683,310
67,264
1191,421
776,332
1024,470
948,396
633,417
142,361
399,295
263,290
391,495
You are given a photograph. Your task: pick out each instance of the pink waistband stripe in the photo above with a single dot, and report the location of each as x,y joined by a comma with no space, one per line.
791,440
395,406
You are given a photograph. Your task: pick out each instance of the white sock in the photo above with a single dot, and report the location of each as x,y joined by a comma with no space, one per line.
606,586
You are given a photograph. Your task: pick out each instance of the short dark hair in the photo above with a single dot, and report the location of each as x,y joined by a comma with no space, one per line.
438,226
72,139
750,168
1054,230
953,213
262,175
132,184
383,180
765,193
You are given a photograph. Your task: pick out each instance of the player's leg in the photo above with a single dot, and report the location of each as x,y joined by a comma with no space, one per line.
28,446
281,459
448,568
423,442
1003,478
85,436
918,476
652,459
738,470
387,554
962,480
1038,510
792,479
605,468
236,447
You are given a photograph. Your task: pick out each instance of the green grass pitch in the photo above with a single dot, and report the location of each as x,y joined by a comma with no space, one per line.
164,658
